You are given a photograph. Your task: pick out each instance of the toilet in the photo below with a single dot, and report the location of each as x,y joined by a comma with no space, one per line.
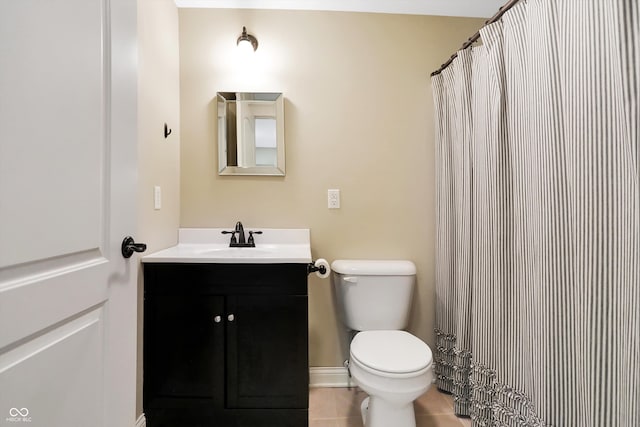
392,366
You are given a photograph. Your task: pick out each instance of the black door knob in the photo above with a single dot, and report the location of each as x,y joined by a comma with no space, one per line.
129,246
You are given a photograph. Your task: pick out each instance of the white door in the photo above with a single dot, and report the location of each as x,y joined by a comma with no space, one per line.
67,199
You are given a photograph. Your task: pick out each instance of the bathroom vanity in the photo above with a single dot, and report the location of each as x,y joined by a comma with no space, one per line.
226,336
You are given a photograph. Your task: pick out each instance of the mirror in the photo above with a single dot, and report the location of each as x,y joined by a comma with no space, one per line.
250,133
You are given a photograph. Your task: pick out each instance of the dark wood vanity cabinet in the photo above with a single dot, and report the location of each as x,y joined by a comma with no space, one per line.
225,345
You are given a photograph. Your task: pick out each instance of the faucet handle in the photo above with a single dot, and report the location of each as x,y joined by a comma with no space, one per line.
251,233
233,236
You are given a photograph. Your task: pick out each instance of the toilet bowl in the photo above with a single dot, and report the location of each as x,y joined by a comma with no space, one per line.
394,369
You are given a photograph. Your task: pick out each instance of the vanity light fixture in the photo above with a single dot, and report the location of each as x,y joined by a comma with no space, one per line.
247,40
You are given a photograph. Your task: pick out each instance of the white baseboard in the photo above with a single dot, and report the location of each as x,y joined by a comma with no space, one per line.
333,377
330,377
141,422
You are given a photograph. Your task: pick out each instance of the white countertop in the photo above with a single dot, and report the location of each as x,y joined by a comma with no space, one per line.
209,245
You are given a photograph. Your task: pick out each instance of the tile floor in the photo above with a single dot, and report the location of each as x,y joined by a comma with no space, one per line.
340,407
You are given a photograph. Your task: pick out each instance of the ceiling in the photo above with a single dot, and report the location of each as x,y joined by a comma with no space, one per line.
469,8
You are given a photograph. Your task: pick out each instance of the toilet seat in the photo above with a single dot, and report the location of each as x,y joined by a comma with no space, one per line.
390,353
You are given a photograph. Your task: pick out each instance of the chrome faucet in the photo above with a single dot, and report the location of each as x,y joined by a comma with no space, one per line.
238,239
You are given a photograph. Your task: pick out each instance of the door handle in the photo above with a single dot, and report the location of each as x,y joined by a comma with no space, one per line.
231,318
129,246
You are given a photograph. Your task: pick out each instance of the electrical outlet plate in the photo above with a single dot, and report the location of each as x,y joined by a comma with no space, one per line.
333,198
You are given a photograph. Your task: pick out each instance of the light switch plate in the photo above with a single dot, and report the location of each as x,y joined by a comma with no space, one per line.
157,197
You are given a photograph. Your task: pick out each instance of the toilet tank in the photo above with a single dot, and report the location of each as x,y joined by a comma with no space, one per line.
373,294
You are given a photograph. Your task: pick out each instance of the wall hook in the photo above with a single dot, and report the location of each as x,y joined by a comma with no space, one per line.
167,131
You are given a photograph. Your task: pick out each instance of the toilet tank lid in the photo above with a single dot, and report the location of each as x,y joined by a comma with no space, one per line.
370,267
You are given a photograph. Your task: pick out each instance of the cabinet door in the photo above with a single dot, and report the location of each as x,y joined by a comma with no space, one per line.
183,348
267,355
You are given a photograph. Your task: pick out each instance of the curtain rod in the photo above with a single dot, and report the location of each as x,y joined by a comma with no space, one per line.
476,36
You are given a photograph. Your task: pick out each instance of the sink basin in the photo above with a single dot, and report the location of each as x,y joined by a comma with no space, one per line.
209,245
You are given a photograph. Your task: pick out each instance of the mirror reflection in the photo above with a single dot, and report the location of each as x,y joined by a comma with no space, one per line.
250,133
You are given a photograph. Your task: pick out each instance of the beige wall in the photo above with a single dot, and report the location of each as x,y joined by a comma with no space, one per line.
158,158
358,117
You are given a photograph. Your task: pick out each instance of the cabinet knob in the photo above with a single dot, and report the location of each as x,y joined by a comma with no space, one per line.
217,319
231,318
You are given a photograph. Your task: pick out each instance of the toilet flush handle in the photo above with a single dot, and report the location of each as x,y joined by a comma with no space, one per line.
351,279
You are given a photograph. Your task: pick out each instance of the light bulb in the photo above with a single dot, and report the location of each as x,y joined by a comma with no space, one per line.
245,47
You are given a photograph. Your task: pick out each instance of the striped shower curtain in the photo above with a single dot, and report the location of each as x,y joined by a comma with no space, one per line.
538,269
